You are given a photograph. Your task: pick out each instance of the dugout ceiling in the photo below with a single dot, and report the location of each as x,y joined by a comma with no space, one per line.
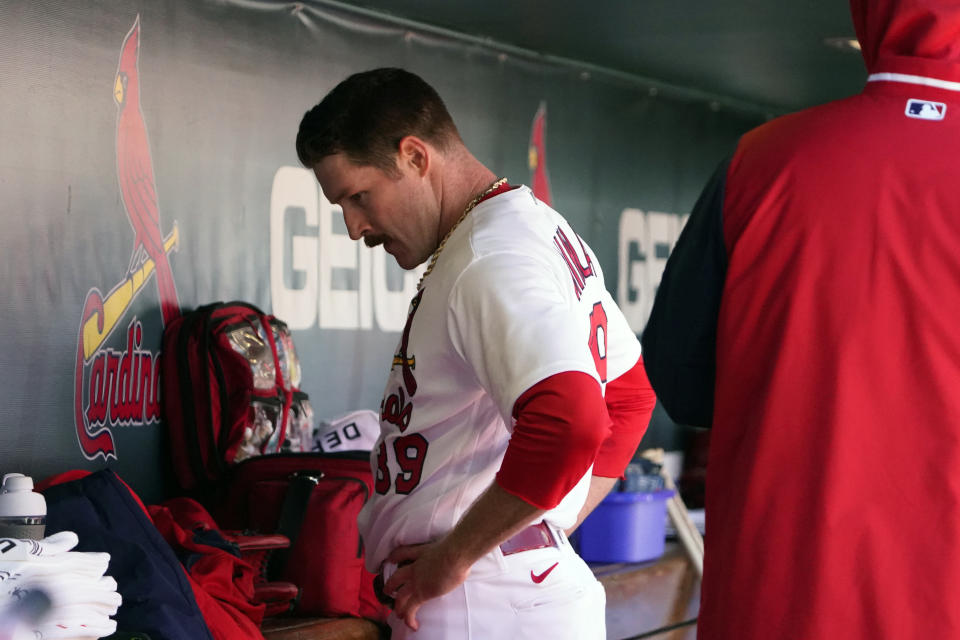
770,54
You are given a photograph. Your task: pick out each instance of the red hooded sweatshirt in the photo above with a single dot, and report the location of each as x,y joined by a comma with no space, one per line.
811,314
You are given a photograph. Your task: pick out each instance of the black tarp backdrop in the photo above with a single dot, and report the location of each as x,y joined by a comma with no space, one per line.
222,87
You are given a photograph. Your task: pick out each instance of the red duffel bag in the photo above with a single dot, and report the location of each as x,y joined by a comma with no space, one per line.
313,499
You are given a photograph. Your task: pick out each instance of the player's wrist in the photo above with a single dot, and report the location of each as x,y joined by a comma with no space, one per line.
455,555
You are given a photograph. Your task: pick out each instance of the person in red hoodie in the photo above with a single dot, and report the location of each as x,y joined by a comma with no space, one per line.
809,314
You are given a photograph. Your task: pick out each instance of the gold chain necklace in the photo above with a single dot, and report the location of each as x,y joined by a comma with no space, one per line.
470,205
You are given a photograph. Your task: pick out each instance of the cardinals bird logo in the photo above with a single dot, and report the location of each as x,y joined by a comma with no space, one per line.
135,170
123,385
538,156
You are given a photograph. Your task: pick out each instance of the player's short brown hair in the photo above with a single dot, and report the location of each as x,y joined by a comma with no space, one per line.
368,114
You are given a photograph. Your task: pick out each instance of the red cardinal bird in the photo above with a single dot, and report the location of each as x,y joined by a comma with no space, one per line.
538,155
135,171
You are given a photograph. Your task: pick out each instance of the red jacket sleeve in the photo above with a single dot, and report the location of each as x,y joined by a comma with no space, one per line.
561,423
630,400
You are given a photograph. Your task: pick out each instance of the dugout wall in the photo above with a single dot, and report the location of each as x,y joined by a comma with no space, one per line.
221,86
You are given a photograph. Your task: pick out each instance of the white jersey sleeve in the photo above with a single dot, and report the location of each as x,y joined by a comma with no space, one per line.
511,320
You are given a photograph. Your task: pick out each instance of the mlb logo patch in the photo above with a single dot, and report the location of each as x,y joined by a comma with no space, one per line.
925,110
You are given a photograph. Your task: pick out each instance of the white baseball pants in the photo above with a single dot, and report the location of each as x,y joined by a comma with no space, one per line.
537,594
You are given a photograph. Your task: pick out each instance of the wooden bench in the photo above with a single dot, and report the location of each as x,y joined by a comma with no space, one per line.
656,600
320,629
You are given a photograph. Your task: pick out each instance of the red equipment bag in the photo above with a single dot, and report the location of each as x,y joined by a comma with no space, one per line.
238,425
313,499
230,379
225,563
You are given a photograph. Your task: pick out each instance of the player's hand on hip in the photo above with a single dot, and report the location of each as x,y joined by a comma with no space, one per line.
424,572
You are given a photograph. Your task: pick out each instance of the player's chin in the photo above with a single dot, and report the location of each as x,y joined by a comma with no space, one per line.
404,259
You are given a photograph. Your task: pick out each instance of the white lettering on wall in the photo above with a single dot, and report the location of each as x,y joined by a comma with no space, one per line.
320,276
317,273
293,189
645,242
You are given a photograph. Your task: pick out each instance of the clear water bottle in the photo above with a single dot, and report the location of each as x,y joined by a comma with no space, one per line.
23,511
642,477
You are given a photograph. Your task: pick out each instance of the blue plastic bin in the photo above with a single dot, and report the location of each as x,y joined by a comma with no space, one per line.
626,527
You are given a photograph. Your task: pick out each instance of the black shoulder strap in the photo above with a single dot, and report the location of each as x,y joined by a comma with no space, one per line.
292,514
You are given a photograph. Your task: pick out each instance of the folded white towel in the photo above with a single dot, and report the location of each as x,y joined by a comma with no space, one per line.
53,545
69,630
85,625
82,612
68,590
100,602
82,598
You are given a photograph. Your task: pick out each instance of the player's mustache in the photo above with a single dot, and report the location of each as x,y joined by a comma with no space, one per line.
374,241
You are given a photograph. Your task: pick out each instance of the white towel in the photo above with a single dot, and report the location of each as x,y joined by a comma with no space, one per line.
69,630
82,598
95,599
15,549
85,564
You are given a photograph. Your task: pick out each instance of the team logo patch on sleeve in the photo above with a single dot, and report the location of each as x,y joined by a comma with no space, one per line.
925,110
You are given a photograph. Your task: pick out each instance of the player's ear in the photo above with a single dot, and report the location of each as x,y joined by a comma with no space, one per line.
415,154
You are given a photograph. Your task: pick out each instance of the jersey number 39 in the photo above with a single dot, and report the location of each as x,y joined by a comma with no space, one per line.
410,450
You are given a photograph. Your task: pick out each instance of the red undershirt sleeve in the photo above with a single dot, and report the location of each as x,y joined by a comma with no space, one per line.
560,424
630,400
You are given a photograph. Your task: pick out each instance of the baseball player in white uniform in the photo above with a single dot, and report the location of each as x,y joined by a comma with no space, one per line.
496,437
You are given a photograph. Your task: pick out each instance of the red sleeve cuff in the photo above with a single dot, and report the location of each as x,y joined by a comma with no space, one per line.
630,400
561,422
